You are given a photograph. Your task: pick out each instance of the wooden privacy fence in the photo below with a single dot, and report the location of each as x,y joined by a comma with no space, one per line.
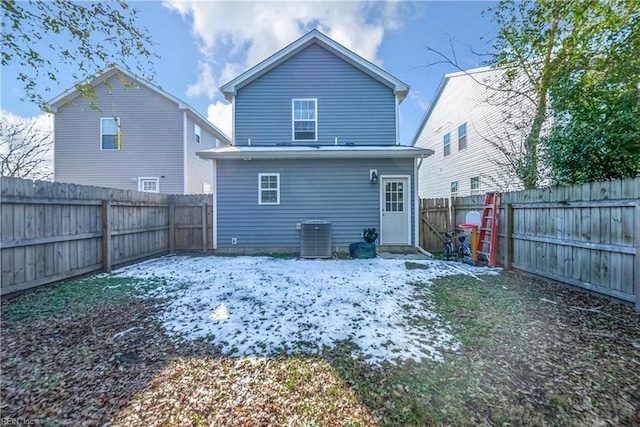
586,235
54,231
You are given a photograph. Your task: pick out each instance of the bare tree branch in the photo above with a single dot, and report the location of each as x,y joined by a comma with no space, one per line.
25,149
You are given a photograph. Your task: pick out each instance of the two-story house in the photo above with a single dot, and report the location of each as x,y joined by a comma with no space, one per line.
131,135
469,127
315,137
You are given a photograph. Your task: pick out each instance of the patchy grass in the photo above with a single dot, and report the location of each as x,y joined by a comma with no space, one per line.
89,352
415,266
523,360
75,296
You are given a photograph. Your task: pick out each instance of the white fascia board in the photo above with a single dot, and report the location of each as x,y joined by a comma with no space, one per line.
72,93
400,88
439,90
427,113
224,139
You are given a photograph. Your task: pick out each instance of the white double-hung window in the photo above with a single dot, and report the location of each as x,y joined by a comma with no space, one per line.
110,133
305,119
268,188
197,133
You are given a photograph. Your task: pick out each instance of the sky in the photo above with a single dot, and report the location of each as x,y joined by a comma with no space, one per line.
203,45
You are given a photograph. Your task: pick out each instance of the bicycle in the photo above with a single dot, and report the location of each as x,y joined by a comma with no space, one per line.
448,245
464,251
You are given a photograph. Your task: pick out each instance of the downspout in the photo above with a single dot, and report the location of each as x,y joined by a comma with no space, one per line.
417,179
397,108
233,120
214,209
53,118
184,152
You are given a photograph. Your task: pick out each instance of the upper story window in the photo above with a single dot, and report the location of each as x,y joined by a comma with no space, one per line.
198,133
110,137
475,185
217,142
305,119
462,136
268,188
454,188
446,140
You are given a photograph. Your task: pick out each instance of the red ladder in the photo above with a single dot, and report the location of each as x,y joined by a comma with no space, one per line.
488,245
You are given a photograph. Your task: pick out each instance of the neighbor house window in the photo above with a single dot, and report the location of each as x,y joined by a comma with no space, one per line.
446,141
475,185
217,142
198,133
454,188
149,185
269,188
110,133
206,188
462,136
305,119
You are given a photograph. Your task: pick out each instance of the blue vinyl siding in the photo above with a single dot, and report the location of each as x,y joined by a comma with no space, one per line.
335,190
352,106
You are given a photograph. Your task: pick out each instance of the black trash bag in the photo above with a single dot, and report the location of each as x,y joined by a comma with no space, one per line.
362,250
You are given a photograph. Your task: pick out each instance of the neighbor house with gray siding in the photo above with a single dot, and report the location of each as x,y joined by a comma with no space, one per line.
315,137
132,135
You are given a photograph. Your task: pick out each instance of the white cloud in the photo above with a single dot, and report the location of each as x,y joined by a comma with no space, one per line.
220,115
206,83
418,98
234,36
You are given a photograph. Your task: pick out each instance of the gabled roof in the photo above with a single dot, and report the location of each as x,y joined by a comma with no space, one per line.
400,88
436,96
316,152
72,93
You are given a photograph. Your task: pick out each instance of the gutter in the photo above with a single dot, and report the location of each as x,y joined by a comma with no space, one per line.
317,154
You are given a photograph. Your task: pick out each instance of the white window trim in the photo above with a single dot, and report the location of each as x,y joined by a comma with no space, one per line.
446,145
197,134
293,120
457,188
260,175
408,202
101,134
141,179
466,132
475,190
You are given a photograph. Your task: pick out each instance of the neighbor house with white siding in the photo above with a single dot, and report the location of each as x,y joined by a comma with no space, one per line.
131,135
315,138
466,126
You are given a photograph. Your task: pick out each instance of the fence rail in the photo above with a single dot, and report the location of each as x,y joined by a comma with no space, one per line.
54,231
586,235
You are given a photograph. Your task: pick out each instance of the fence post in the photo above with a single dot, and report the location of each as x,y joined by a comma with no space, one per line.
204,227
172,228
636,266
452,223
508,229
106,236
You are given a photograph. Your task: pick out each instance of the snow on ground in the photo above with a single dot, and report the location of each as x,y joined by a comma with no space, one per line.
257,306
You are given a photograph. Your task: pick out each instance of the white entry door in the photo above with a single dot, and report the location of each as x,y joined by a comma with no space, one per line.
395,209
